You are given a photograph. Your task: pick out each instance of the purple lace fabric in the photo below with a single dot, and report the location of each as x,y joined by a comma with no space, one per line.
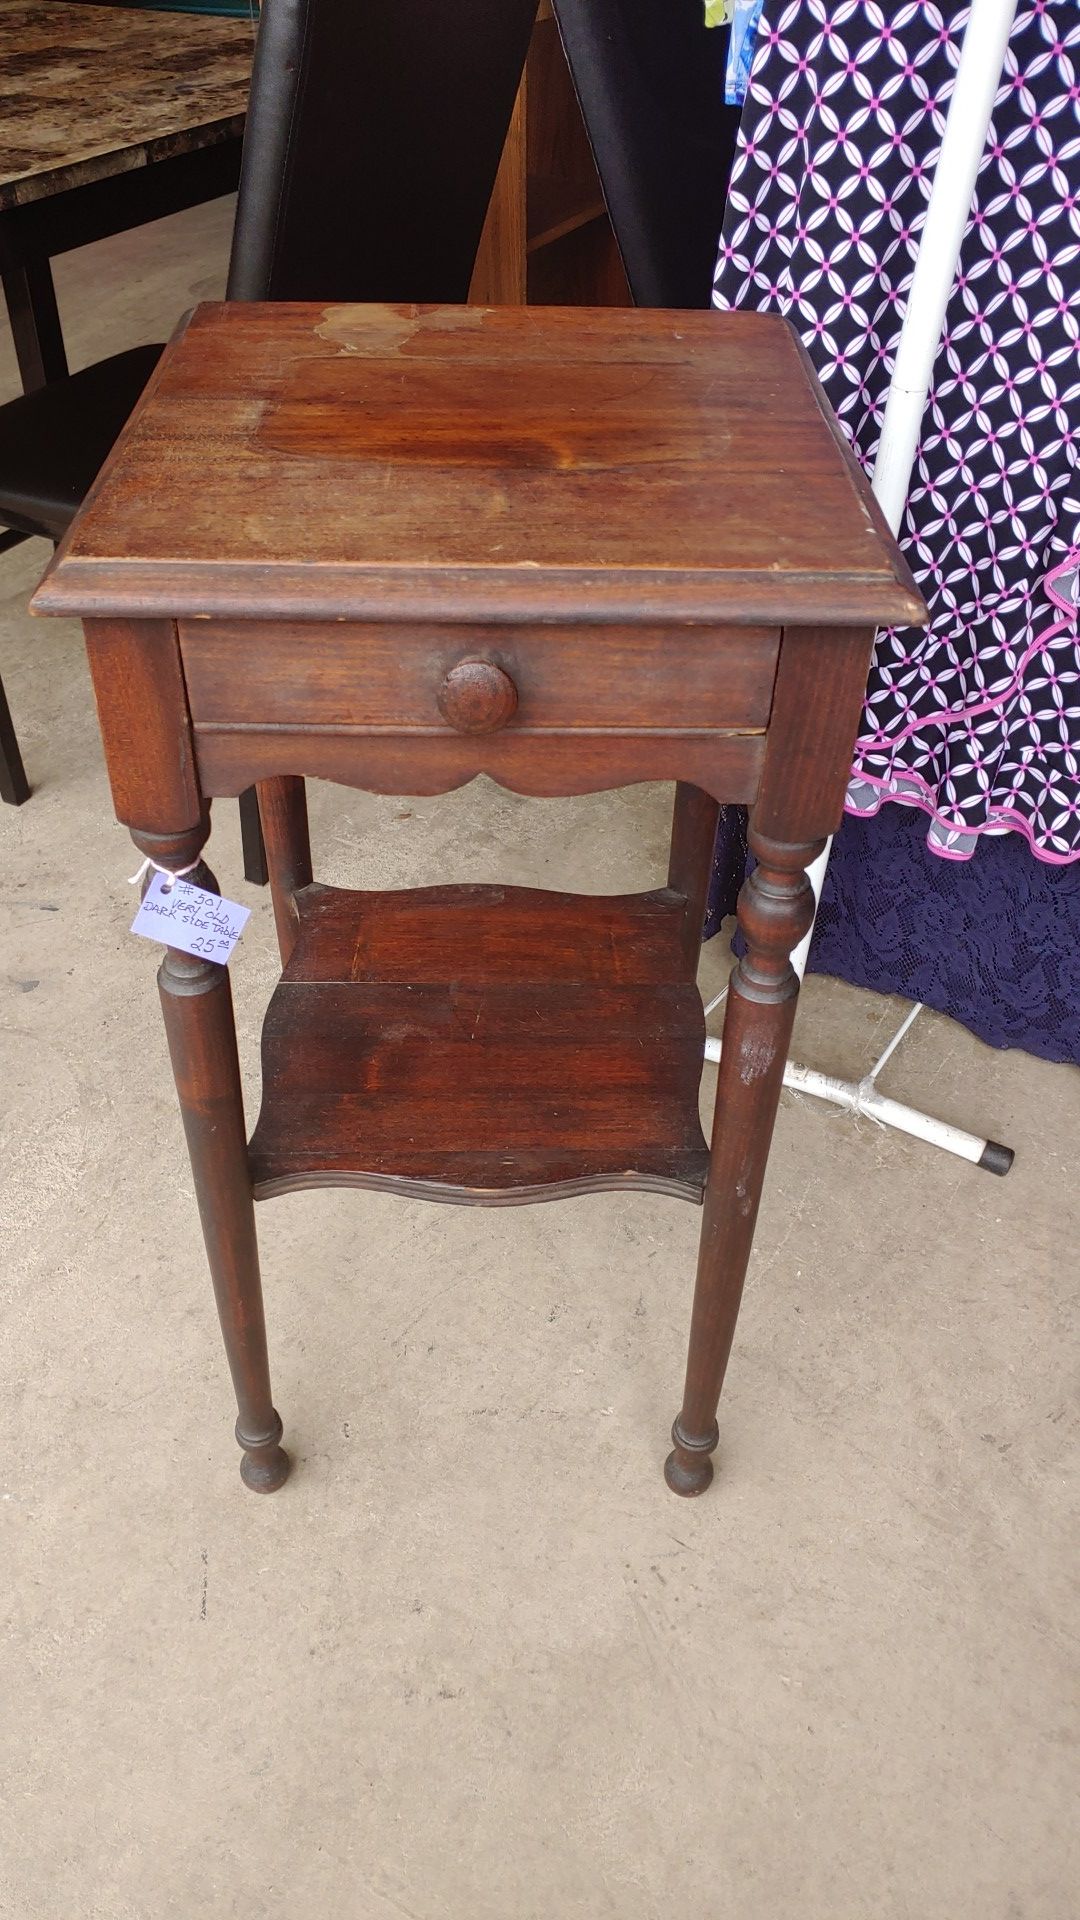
994,942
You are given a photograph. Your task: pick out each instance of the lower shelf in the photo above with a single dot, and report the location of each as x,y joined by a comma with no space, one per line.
489,1045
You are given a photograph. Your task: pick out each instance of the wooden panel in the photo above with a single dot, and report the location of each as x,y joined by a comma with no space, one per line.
346,676
466,462
499,271
145,728
584,266
573,258
726,765
459,1069
690,865
812,733
621,940
559,207
557,147
547,188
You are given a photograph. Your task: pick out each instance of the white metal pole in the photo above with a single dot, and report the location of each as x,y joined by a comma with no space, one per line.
978,77
862,1097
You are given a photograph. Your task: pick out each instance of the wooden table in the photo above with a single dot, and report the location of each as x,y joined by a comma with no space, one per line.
570,549
109,116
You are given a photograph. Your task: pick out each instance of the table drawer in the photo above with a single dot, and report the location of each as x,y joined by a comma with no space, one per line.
442,680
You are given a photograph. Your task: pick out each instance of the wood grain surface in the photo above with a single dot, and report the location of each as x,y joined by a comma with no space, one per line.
429,1042
378,678
645,532
465,462
728,766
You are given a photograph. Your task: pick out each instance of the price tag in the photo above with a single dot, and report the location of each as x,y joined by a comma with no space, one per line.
190,919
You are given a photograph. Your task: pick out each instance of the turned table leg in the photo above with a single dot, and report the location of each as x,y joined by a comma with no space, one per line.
693,838
283,811
775,910
251,839
196,999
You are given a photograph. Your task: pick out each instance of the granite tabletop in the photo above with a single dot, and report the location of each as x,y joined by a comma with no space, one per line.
86,92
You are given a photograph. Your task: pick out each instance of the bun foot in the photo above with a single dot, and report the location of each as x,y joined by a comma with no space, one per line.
265,1473
688,1470
265,1465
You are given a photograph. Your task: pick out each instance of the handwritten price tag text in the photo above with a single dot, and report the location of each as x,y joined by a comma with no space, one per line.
190,919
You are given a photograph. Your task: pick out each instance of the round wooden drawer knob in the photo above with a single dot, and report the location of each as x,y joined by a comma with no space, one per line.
477,697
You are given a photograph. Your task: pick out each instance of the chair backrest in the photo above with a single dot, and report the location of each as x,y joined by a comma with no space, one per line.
649,76
373,137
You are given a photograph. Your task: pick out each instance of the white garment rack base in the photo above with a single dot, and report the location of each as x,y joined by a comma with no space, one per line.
863,1097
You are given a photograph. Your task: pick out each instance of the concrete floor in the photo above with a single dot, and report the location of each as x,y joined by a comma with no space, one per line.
475,1662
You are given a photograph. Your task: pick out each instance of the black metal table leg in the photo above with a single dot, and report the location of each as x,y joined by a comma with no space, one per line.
35,324
14,786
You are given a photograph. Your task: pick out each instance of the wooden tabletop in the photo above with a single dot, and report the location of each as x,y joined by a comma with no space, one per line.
488,463
89,91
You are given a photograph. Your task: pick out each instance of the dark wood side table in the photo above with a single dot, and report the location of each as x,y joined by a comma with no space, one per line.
571,549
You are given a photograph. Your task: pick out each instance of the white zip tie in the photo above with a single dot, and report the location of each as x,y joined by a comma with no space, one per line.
173,874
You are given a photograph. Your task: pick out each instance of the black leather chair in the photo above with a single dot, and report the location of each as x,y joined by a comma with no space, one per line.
649,76
374,133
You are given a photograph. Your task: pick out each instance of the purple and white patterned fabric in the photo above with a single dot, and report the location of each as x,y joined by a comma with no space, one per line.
977,718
